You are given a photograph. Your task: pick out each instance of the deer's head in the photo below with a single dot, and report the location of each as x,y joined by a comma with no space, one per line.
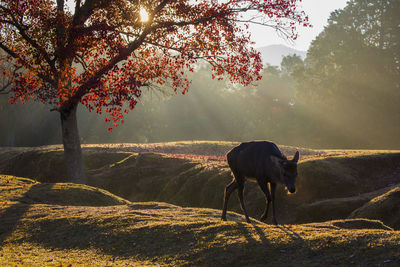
288,172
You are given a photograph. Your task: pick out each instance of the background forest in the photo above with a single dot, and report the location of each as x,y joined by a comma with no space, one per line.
344,94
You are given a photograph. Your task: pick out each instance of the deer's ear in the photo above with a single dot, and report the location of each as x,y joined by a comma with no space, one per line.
296,157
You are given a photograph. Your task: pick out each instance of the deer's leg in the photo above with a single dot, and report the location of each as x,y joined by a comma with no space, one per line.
273,187
264,187
240,194
228,190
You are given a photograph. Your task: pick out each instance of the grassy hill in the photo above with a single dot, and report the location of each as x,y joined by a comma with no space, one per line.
331,183
41,227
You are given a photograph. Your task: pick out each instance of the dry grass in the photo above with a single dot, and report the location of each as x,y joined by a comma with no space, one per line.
154,233
385,207
331,183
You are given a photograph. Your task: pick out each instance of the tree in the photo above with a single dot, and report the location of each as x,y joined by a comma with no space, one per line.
291,63
101,53
351,76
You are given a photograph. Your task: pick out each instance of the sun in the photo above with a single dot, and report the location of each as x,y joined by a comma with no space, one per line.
144,16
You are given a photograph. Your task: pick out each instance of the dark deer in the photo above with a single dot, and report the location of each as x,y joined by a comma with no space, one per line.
263,161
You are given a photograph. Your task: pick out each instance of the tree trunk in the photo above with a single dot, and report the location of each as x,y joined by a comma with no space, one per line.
72,146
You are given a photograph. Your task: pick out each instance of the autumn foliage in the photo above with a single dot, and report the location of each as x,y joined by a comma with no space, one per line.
100,54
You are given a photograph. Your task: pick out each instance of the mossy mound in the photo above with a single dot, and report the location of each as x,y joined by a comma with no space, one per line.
360,224
12,188
336,208
67,194
329,209
216,148
72,195
385,208
345,176
47,165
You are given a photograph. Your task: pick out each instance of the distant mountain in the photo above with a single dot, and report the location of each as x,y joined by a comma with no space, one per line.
273,54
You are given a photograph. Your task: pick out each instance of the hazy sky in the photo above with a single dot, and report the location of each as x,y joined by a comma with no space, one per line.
317,10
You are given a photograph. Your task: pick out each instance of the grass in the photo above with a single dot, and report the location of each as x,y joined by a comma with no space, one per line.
29,191
331,183
154,233
384,207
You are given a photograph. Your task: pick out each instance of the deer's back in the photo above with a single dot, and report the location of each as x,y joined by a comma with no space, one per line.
251,158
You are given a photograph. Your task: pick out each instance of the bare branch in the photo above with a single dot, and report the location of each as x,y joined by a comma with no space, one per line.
8,51
86,10
4,87
81,61
77,6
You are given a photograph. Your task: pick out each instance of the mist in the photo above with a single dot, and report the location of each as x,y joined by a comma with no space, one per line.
344,94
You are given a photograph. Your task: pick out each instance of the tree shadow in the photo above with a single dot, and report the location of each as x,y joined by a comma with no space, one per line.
159,243
13,214
9,219
160,239
120,237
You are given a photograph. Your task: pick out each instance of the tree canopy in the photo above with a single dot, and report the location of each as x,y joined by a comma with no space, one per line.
101,53
351,76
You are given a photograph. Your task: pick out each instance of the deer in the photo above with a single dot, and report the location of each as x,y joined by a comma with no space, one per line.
264,162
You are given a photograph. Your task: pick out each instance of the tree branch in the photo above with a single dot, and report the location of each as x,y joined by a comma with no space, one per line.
9,51
60,31
3,89
82,61
77,6
86,10
41,50
123,55
16,56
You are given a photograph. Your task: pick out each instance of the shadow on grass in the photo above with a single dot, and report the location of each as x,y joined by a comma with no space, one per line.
135,236
302,243
144,236
12,215
50,194
10,218
114,236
